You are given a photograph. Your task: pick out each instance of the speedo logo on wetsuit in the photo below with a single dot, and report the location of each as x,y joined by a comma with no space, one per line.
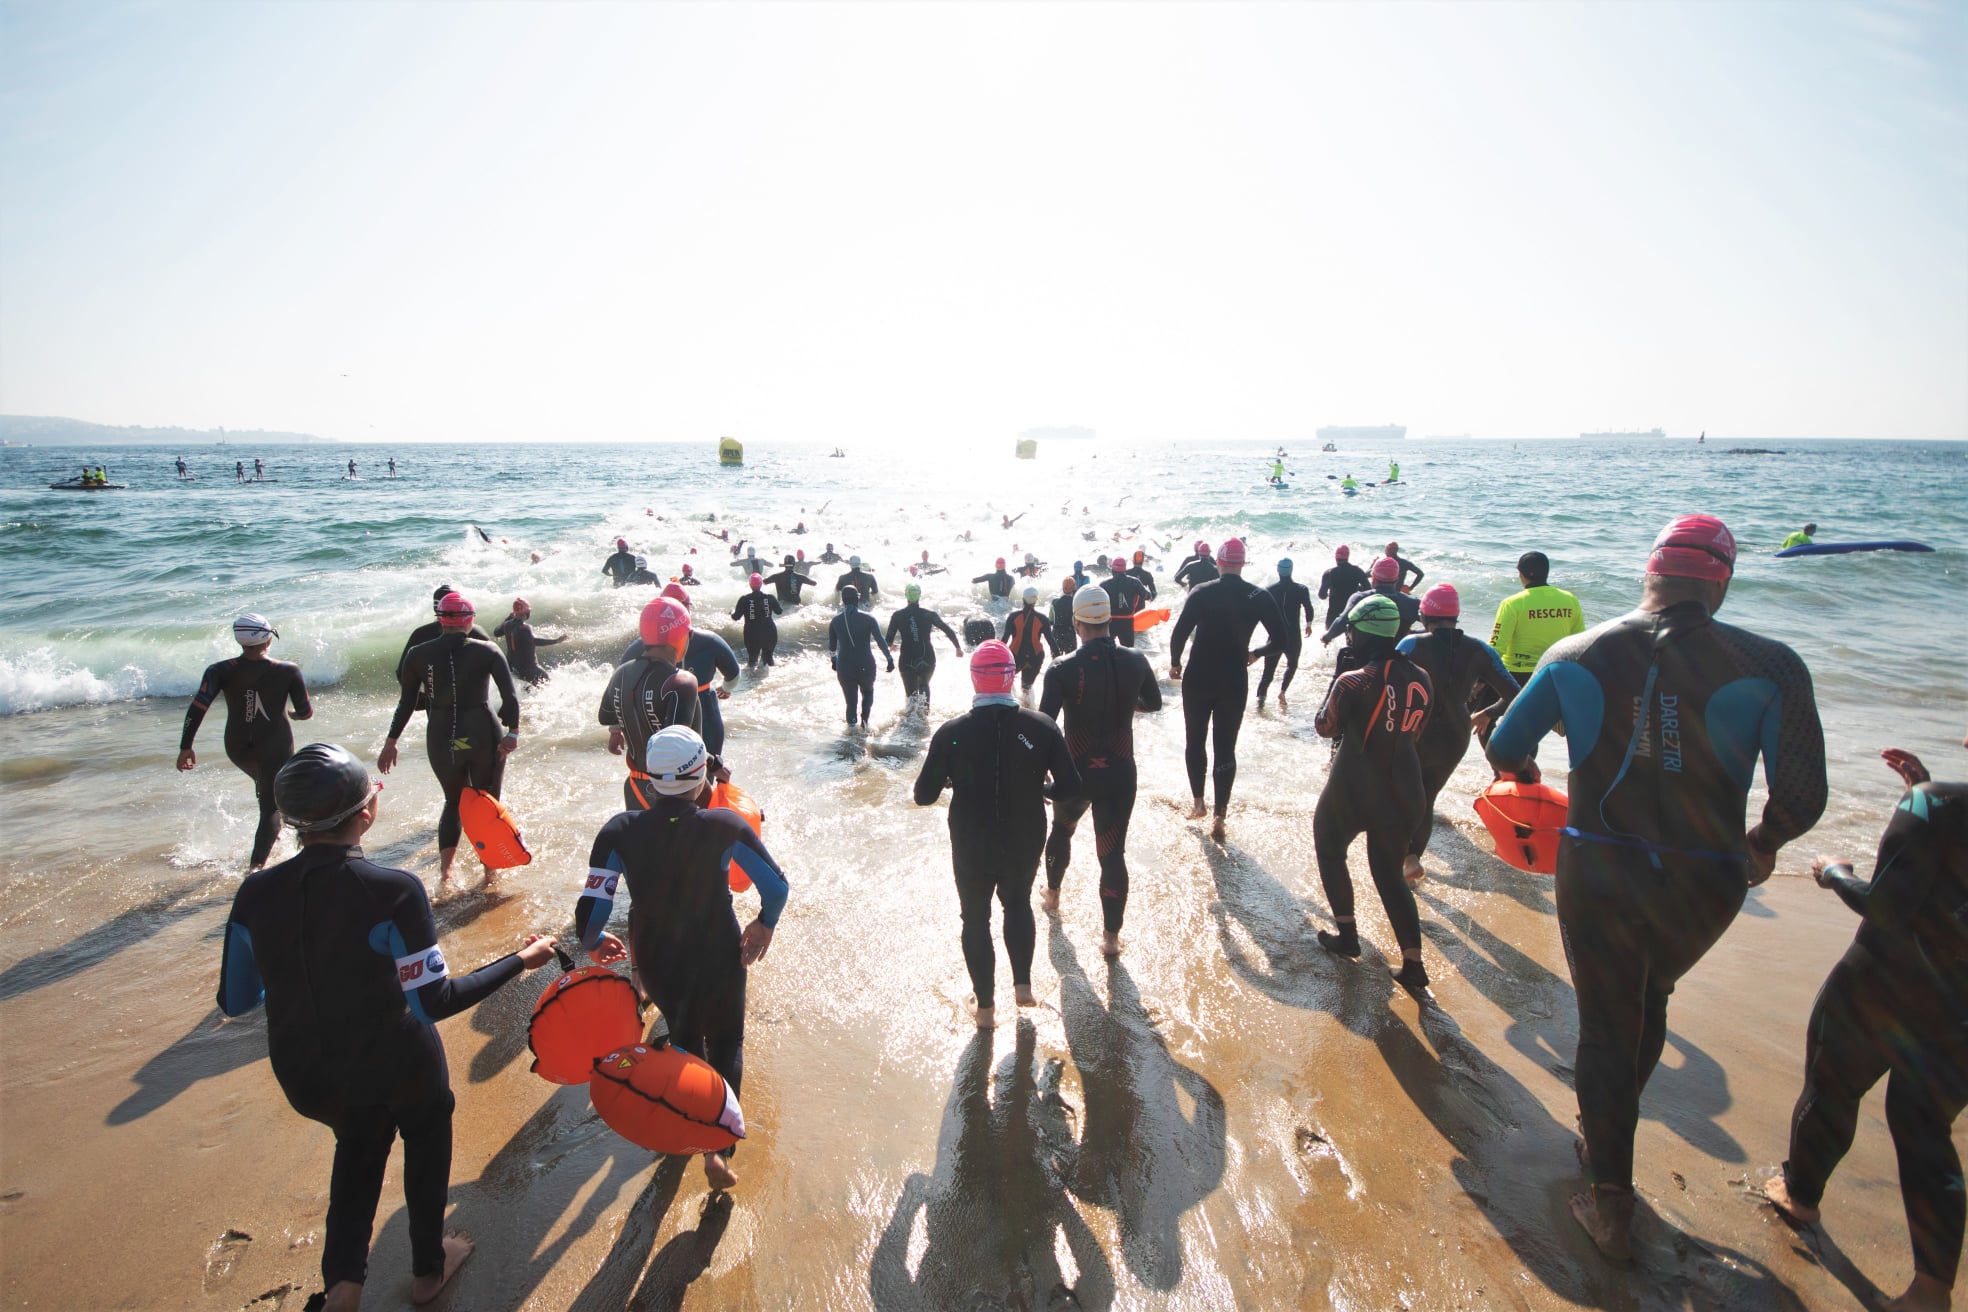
251,706
420,968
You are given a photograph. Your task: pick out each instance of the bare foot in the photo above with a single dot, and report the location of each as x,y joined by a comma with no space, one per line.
456,1249
1110,945
1283,705
1778,1192
987,1017
445,858
1925,1294
1217,830
1607,1215
1024,996
1049,899
346,1296
1197,810
719,1172
1411,871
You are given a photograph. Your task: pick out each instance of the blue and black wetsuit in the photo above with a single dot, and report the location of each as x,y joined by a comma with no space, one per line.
642,696
995,760
1456,666
1665,713
344,953
706,657
1292,600
851,640
452,675
258,738
682,932
1896,1006
1099,688
1221,613
913,631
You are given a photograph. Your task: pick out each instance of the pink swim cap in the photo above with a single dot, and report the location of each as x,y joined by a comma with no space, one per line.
1385,570
664,624
757,581
992,668
1695,547
1231,552
1342,552
454,612
1441,602
678,593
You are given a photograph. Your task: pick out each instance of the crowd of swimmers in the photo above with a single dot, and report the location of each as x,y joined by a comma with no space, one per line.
1665,712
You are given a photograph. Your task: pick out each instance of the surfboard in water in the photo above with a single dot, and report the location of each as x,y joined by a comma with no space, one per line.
1846,548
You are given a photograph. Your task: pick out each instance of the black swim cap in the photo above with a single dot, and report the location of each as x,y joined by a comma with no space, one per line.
1535,566
320,787
850,595
787,561
443,590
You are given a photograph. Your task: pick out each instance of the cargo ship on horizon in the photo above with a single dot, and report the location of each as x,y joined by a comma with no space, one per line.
1601,437
1365,433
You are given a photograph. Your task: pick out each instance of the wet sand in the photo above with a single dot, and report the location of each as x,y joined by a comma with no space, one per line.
1227,1117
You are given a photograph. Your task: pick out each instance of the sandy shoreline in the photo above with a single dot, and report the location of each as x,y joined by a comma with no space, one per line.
1230,1118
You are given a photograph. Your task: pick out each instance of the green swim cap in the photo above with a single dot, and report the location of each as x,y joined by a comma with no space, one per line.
913,592
1377,615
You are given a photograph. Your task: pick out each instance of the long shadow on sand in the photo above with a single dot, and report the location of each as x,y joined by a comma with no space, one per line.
151,916
1484,1115
995,1202
1139,1156
212,1047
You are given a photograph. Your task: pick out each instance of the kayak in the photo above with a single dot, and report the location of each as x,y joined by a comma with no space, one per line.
1845,548
77,485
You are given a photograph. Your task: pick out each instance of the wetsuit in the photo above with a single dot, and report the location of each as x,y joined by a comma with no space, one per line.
521,648
1028,635
1221,613
1140,574
453,672
1338,584
1410,574
1378,714
756,609
423,633
708,656
1099,687
683,933
1457,665
1896,1006
258,738
1409,606
913,630
786,585
642,696
344,953
1292,600
1653,862
851,640
995,760
859,578
831,557
998,581
621,567
1529,622
1197,570
1125,597
1064,636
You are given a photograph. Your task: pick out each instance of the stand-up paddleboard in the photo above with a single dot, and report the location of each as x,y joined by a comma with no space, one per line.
1846,548
77,485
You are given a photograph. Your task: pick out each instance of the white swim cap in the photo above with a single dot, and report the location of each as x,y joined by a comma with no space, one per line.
675,761
253,631
1031,595
1092,605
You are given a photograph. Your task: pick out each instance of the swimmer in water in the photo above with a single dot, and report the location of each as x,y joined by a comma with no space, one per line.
995,759
1410,575
1221,613
687,578
355,982
755,610
851,640
859,579
1141,574
1032,567
522,643
1029,637
649,691
1199,568
830,556
621,566
1064,639
1340,584
1010,520
1657,861
999,581
258,739
913,630
786,584
924,567
1125,597
1293,601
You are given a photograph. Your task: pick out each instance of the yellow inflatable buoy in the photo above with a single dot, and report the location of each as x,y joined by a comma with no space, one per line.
731,451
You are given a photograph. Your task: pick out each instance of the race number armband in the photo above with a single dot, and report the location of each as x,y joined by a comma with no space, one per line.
420,968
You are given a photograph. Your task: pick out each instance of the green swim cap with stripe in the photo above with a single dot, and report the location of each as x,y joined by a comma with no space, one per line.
1377,615
912,593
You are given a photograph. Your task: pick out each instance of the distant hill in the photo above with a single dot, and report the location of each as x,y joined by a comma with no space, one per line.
50,430
1071,432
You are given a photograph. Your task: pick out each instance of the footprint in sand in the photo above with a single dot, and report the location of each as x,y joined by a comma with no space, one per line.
224,1256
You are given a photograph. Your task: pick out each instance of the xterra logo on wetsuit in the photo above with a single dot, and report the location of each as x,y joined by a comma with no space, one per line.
419,969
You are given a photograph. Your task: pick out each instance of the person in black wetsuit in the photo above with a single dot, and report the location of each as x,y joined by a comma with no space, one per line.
1655,861
344,954
1383,580
830,556
650,691
1029,637
522,644
1292,600
1341,584
1221,613
1377,713
1456,666
756,609
1099,688
449,676
1125,597
786,584
425,632
1409,576
1063,637
258,738
1198,569
851,640
999,580
860,580
1141,574
684,945
995,760
622,566
913,630
1896,1007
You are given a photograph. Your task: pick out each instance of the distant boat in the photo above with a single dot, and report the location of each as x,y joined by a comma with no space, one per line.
1369,433
1069,433
731,451
1623,437
1028,448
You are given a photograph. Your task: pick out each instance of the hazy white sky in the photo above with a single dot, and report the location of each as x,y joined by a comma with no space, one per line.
502,221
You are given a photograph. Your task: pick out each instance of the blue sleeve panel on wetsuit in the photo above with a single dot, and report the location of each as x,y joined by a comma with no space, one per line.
240,987
598,887
752,858
708,654
1745,720
409,939
1560,690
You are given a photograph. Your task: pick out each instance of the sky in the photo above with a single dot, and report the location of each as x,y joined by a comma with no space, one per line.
950,222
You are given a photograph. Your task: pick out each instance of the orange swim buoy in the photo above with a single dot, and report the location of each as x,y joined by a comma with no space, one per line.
1145,620
494,834
1524,819
733,798
583,1015
666,1100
